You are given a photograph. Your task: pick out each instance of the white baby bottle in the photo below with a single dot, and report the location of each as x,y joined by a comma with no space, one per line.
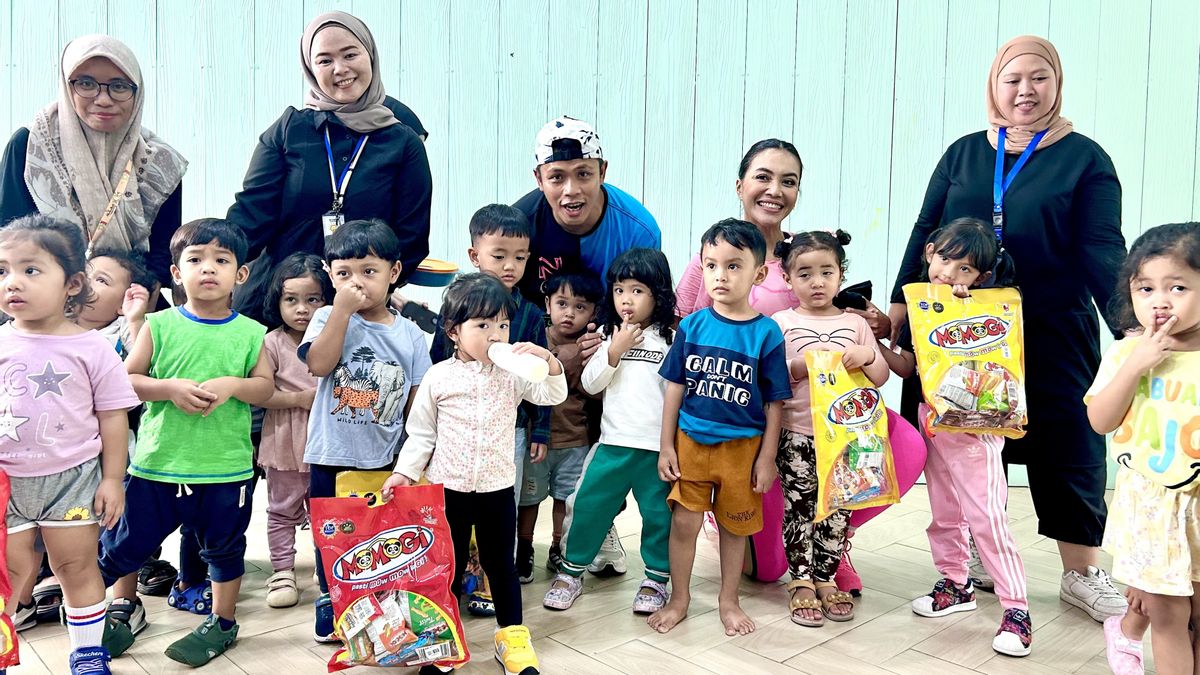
525,366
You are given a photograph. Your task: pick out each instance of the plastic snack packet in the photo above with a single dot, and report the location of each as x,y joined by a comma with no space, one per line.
855,469
9,654
389,569
971,358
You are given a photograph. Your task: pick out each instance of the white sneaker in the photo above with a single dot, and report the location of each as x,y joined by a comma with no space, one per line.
977,573
1094,593
610,561
282,590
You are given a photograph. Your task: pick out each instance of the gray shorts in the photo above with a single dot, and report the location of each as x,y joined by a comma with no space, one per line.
556,476
58,500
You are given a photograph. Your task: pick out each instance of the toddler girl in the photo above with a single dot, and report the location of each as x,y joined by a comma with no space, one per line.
814,266
964,473
638,318
63,427
461,434
298,289
1145,392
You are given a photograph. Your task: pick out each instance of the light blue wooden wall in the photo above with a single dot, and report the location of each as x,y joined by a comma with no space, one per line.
870,91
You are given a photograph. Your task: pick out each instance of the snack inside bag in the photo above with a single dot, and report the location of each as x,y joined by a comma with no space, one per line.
855,469
971,358
389,569
9,655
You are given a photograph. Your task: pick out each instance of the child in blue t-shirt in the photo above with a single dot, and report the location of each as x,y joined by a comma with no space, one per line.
721,417
368,361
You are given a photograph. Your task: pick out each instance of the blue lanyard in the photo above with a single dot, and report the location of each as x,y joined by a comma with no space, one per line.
1001,182
342,182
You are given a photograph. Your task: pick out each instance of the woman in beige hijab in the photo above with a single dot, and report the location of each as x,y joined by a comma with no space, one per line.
348,132
1058,213
87,159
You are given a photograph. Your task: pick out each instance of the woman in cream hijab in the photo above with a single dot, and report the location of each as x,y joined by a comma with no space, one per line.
1061,224
87,159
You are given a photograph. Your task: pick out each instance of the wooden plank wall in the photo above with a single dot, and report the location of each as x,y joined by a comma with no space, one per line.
871,91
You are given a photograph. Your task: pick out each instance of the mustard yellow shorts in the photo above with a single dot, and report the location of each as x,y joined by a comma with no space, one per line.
717,478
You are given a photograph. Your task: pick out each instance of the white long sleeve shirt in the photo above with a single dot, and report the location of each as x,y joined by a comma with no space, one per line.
461,428
633,392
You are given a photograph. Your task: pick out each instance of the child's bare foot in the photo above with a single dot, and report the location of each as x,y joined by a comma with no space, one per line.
670,615
736,621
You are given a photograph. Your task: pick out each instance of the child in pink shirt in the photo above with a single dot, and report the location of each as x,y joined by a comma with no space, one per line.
814,266
299,287
63,428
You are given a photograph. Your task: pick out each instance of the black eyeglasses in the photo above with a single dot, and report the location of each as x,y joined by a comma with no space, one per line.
118,90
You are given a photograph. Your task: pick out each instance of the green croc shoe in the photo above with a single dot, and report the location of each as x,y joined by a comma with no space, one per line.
204,644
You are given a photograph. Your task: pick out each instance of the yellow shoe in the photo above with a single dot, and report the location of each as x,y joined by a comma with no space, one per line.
514,651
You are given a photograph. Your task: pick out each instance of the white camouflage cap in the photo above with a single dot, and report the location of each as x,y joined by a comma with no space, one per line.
547,147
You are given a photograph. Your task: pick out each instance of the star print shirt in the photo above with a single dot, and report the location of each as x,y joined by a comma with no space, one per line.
804,333
51,387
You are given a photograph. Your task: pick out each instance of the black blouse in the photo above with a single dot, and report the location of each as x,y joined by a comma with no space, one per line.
287,189
16,201
1062,219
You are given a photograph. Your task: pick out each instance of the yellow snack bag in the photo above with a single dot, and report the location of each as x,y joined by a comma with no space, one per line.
855,469
970,357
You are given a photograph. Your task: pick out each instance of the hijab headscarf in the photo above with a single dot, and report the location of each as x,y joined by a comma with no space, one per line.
73,170
368,113
1018,137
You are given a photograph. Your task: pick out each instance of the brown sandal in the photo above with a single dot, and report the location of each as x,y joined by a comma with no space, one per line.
796,603
835,598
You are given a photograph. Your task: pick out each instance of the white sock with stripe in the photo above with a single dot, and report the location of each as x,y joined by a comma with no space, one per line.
85,625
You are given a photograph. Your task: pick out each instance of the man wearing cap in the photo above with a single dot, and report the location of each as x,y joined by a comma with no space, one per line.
581,224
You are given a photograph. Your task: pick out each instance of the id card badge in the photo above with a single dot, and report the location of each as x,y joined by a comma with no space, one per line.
331,221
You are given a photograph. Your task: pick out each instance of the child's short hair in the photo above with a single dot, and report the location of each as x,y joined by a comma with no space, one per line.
1179,241
294,266
63,241
206,230
585,286
738,234
475,295
132,262
502,219
969,238
362,238
648,266
816,240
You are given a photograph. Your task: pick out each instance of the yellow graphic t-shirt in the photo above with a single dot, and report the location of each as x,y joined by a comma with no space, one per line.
1160,435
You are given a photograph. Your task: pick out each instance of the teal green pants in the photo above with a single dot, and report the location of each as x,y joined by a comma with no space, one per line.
610,472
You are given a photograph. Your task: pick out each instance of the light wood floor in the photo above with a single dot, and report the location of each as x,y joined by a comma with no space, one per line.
601,635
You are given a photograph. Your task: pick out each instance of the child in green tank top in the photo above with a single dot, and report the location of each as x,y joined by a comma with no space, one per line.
198,367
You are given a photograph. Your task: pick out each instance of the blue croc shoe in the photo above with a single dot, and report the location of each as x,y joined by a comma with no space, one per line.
196,599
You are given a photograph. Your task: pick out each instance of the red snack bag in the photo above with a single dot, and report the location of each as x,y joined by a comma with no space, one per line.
389,569
9,655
